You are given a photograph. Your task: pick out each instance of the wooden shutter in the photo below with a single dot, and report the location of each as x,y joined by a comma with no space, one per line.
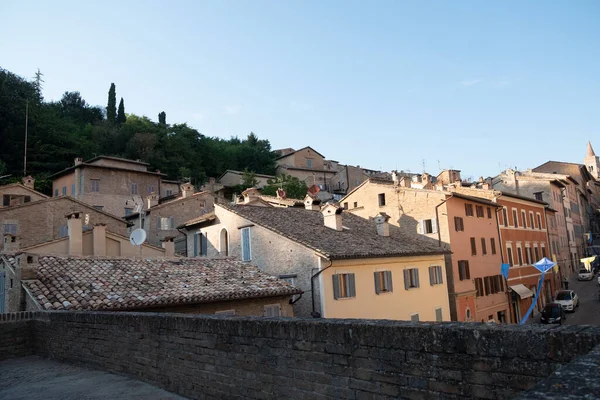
468,273
196,244
416,277
388,278
421,226
440,276
500,283
246,244
171,223
377,283
431,278
158,223
406,279
434,225
204,243
336,286
351,285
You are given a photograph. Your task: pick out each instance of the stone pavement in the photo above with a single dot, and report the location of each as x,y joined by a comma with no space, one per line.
34,378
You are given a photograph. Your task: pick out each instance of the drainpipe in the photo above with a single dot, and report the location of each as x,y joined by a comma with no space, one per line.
508,292
314,313
438,220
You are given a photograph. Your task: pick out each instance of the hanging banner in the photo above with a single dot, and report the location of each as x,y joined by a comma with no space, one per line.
504,270
543,265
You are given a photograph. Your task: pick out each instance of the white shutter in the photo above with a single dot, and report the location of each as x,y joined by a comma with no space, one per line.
421,226
434,225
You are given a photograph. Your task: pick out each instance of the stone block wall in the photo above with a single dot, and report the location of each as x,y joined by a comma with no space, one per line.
257,358
16,335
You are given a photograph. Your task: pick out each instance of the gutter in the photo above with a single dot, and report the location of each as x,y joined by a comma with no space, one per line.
314,313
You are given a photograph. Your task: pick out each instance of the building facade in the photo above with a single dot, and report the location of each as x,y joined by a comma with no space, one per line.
20,193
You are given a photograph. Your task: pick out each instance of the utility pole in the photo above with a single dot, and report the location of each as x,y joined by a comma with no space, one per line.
25,153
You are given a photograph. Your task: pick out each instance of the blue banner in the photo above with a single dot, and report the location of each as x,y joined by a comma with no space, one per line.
504,270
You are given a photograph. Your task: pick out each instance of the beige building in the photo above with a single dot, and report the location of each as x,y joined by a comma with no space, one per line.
308,165
160,220
348,267
154,284
20,193
115,185
232,178
31,223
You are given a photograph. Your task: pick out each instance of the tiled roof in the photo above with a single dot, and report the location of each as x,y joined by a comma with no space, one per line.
577,171
87,283
279,200
198,220
358,239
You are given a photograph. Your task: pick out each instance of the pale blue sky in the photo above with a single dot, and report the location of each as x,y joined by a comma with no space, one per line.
477,86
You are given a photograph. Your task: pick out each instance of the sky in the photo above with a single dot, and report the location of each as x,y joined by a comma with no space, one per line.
478,86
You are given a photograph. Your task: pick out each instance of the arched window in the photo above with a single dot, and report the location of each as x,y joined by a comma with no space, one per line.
224,242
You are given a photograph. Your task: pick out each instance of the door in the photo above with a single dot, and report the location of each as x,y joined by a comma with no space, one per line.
2,284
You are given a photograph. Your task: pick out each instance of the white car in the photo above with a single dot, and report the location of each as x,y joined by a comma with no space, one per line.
585,275
599,279
568,299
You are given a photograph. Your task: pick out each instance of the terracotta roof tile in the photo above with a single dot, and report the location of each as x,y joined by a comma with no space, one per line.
86,283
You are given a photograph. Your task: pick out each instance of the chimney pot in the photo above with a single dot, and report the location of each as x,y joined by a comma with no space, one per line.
187,189
99,239
78,161
28,265
312,203
75,228
28,181
332,216
383,226
169,245
250,195
152,200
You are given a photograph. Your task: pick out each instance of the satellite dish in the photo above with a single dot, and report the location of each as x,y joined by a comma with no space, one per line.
137,237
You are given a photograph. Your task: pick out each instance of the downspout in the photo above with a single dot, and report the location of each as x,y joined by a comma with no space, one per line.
347,180
501,247
314,313
438,220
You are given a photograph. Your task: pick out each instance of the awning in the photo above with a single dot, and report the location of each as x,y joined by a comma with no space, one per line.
522,291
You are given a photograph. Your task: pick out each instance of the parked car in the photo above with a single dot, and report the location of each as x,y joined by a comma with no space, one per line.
598,279
585,275
553,313
568,299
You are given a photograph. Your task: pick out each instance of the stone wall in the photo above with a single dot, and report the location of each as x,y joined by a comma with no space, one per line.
16,335
252,358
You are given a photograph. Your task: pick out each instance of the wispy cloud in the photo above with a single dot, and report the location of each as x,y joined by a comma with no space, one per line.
232,109
198,116
470,82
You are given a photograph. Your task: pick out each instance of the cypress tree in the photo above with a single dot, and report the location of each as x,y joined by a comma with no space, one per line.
111,108
162,118
121,118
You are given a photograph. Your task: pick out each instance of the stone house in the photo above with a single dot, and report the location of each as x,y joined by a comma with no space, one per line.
308,165
160,220
466,225
348,267
154,284
16,194
41,221
232,178
111,184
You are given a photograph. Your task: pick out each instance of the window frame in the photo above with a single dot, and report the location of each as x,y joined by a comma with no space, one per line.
515,215
344,285
411,278
493,245
95,185
469,210
436,275
483,247
479,212
383,282
505,217
473,246
381,199
520,254
464,272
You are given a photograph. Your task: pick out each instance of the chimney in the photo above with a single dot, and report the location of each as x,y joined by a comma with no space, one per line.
11,243
383,227
28,181
395,177
78,161
169,245
312,203
99,239
405,182
152,200
332,216
28,265
187,189
75,234
250,195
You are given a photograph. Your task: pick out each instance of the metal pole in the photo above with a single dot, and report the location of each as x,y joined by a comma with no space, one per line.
25,153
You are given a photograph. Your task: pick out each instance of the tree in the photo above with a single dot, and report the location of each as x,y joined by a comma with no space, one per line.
121,118
37,83
249,179
111,108
294,187
162,118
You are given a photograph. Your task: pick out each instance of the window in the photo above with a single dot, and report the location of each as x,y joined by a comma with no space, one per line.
150,188
200,244
539,196
95,185
493,245
10,228
99,208
346,205
383,282
463,270
291,279
543,251
539,221
458,224
479,287
528,254
510,256
435,275
469,210
489,212
531,223
381,197
438,315
55,192
225,312
246,248
169,192
308,163
6,200
343,286
355,204
483,247
134,188
128,211
73,190
524,219
504,217
537,253
63,231
165,223
411,278
515,218
272,310
64,191
519,255
414,318
479,211
473,247
428,226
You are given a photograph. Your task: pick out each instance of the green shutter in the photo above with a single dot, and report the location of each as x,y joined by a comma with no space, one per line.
406,279
390,285
416,277
351,285
377,282
336,286
431,276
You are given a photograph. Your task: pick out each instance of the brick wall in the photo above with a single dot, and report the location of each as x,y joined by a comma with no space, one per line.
251,358
16,335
